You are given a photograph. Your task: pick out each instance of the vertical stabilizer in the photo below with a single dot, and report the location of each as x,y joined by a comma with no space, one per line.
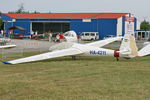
133,46
128,46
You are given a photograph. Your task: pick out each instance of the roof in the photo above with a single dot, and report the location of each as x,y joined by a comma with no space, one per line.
65,15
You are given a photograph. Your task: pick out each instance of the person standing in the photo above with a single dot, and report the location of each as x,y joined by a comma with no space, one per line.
31,34
11,34
2,33
61,37
50,36
36,33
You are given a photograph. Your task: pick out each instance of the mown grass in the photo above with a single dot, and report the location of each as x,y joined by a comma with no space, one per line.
87,78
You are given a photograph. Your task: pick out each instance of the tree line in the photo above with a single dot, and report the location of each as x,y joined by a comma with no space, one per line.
19,10
145,25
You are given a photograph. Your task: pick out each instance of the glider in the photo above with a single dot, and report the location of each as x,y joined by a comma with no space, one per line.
128,49
70,36
3,43
72,49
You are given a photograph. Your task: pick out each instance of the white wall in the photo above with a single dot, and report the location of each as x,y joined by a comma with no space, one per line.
129,27
138,25
119,26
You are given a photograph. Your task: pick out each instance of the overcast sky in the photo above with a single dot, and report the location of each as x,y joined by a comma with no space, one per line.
140,8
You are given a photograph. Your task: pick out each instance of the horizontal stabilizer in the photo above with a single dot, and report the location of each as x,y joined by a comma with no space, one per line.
144,51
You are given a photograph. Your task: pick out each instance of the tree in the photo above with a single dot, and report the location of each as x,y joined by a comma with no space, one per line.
1,21
145,25
21,8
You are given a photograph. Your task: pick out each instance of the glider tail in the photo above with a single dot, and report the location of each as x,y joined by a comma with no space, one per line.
128,48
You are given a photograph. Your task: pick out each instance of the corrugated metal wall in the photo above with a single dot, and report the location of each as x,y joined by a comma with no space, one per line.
79,26
103,26
107,27
24,24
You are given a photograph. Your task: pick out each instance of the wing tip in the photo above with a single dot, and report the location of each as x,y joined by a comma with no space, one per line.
7,62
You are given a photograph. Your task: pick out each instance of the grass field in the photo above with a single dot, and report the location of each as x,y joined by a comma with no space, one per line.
87,78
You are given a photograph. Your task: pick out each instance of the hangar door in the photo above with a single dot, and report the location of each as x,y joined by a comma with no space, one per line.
42,27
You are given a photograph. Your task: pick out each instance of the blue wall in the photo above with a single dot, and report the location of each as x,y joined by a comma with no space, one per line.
24,24
103,26
123,26
5,18
7,25
107,27
135,24
79,26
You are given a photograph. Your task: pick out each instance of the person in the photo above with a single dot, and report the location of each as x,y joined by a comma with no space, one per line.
2,32
57,38
61,37
36,33
31,34
50,36
46,36
11,34
139,37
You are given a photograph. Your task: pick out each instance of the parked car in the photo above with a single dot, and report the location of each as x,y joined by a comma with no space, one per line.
108,36
89,36
111,36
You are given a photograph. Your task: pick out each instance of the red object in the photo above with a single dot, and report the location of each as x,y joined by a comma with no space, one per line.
65,15
116,53
78,37
129,19
61,36
18,36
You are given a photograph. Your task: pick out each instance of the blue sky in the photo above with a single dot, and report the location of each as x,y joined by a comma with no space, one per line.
140,8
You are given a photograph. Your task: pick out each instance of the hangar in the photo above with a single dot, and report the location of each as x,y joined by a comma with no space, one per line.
103,23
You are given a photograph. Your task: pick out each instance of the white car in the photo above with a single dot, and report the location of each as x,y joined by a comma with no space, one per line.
109,36
89,36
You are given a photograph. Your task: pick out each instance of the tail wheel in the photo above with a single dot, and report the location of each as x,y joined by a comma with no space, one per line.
116,54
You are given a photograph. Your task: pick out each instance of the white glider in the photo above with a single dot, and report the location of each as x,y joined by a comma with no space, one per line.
4,45
74,49
128,49
70,36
